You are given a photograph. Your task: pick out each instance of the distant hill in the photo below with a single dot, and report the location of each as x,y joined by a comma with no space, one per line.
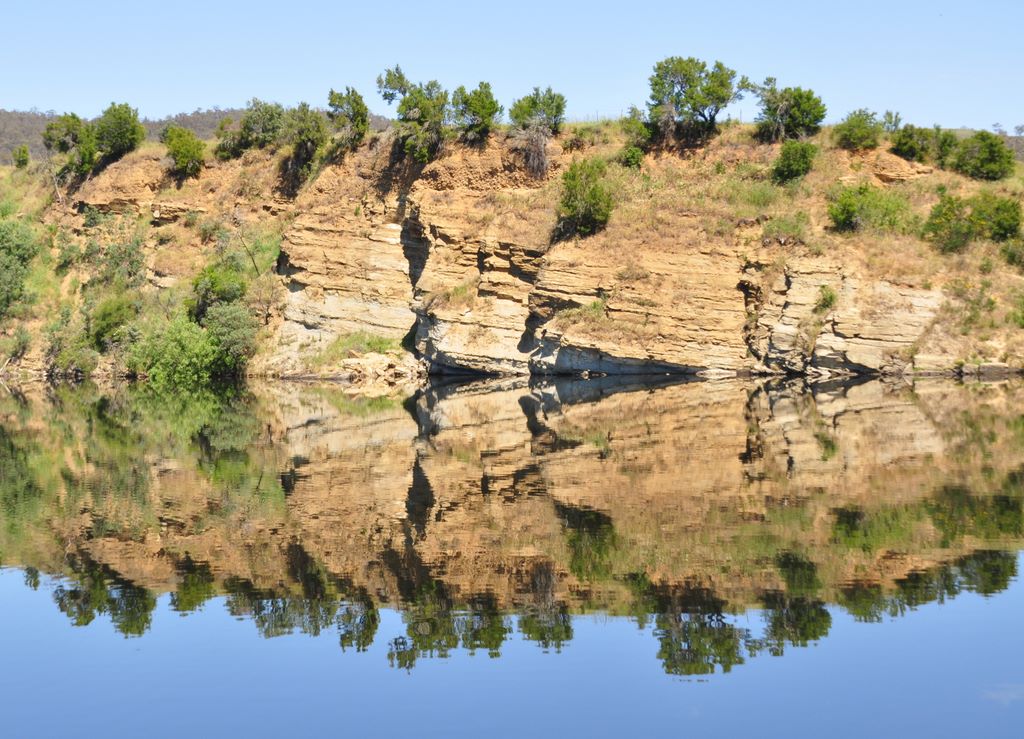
19,127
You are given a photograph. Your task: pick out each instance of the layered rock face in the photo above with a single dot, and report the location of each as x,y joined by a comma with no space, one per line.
459,255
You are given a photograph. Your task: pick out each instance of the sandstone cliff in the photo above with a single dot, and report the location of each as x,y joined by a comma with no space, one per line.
455,260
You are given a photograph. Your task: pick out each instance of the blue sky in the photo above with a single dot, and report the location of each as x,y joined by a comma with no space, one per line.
956,63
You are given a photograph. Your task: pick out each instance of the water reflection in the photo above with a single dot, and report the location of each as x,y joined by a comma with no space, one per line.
492,510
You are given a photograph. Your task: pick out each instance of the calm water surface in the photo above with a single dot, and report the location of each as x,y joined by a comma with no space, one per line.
579,558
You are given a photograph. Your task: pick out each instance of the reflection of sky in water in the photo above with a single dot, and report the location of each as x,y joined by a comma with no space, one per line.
940,670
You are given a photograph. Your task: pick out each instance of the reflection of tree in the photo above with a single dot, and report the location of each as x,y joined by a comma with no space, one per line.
18,489
93,591
545,621
435,629
357,624
984,572
694,636
196,586
592,541
796,621
799,573
956,512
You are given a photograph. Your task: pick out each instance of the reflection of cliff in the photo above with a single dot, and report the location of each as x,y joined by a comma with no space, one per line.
309,508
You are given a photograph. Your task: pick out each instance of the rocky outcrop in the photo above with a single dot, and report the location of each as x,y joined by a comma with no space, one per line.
810,316
460,254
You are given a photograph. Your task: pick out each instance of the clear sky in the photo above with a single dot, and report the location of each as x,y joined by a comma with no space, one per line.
955,63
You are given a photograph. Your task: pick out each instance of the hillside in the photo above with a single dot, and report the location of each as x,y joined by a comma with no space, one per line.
706,265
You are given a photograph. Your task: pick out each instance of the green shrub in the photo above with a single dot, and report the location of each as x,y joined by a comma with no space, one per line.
18,246
305,130
789,113
20,156
636,128
1013,253
983,156
949,224
217,283
795,160
176,353
994,217
587,200
260,127
545,107
945,145
860,207
118,130
108,316
348,114
826,300
476,111
185,150
632,157
18,345
913,143
688,92
69,351
787,229
210,229
123,263
232,329
861,129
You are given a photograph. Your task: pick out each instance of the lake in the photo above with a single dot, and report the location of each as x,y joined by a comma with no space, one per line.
575,558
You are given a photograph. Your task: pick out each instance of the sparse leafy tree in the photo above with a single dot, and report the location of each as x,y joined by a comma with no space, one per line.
861,129
118,130
70,135
424,112
185,150
637,128
546,107
348,114
393,84
688,92
476,111
891,121
789,113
